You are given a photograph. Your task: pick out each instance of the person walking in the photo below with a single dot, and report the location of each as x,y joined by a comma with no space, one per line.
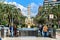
8,31
11,31
54,31
0,38
15,30
50,31
40,28
45,30
2,32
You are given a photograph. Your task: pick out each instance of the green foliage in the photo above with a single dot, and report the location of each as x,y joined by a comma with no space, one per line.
23,26
33,26
9,12
43,17
4,22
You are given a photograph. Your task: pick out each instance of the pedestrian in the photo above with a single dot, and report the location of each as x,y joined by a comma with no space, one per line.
45,30
40,28
15,30
50,31
2,32
11,31
0,38
54,31
8,32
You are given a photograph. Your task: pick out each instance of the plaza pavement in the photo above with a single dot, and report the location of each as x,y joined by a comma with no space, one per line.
31,38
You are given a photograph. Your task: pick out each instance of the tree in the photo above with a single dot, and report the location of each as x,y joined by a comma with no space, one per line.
40,18
9,12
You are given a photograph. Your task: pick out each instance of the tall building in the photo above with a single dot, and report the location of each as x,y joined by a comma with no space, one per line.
51,3
57,2
45,4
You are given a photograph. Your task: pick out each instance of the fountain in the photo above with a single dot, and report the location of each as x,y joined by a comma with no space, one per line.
29,31
29,20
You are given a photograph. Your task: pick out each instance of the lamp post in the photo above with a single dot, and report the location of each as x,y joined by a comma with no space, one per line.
53,30
51,17
12,24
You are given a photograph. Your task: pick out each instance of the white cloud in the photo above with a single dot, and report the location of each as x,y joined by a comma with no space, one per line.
34,9
23,9
5,2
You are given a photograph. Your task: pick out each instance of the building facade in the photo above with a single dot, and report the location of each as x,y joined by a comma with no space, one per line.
45,4
50,3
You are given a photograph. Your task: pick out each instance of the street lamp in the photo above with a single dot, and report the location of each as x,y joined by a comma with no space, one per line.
51,16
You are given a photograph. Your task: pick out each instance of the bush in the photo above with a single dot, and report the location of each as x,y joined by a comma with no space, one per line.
33,26
23,25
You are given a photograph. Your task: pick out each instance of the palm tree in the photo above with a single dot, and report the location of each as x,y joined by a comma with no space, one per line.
9,12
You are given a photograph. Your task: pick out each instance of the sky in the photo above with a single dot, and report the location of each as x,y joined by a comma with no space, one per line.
23,4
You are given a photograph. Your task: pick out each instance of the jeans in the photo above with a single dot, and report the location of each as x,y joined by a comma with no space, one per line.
11,34
41,32
45,34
